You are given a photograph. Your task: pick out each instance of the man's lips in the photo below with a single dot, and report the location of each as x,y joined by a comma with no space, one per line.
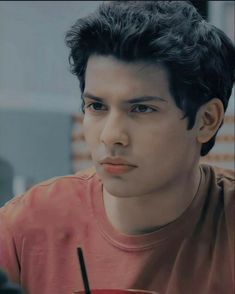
116,165
117,168
115,161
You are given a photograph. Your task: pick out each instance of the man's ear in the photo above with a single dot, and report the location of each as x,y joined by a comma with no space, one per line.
210,117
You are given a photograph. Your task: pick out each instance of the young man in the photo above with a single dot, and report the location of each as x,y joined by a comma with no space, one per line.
155,80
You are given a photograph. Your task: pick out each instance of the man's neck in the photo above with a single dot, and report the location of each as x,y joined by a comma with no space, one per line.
147,213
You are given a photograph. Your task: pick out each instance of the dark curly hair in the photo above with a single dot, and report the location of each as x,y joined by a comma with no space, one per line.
199,58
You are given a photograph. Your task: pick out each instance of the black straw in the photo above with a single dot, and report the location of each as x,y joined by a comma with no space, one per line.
83,271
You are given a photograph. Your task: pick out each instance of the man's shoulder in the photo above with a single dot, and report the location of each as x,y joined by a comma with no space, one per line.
80,176
219,174
50,195
225,179
221,182
223,173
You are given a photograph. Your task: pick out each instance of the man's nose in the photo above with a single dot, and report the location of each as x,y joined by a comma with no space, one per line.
114,131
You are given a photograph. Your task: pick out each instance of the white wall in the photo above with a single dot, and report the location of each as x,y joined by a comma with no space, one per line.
34,71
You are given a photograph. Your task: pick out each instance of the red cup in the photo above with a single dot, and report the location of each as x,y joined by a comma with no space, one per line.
117,291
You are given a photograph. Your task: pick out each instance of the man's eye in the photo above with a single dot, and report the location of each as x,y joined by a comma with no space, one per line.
96,106
141,108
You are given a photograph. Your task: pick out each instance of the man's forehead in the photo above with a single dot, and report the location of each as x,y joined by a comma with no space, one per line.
130,82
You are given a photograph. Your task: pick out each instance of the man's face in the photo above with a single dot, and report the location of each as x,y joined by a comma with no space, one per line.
138,140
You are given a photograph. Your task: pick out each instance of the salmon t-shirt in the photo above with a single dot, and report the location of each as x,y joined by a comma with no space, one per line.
41,230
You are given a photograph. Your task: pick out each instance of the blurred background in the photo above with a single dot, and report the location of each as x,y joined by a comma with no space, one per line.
40,118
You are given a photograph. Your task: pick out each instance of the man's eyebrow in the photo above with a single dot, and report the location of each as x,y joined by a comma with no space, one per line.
90,96
130,101
145,98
